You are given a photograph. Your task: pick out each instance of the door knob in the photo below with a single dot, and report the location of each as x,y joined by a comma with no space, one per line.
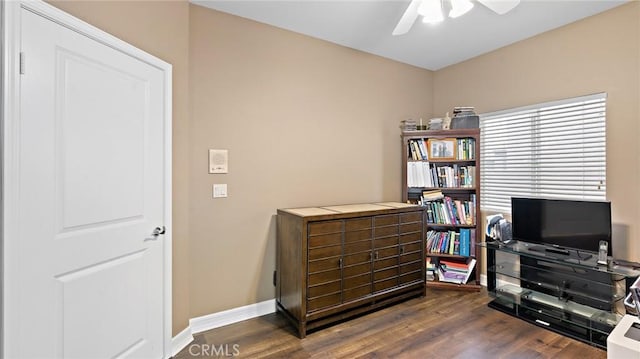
158,231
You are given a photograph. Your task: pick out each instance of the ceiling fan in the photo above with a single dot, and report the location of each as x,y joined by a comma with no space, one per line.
431,11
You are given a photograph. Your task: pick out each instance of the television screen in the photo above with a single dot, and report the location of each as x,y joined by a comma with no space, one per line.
562,223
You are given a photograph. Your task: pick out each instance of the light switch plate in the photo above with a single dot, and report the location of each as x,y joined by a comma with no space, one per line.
220,190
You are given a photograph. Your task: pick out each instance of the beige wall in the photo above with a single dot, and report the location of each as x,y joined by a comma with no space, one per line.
310,123
161,29
291,143
306,123
597,54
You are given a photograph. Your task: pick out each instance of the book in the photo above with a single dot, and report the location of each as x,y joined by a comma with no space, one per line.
452,242
454,265
465,235
455,272
430,265
461,212
472,242
471,266
450,276
432,195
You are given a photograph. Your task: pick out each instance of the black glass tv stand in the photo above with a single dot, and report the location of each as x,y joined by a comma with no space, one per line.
569,294
560,251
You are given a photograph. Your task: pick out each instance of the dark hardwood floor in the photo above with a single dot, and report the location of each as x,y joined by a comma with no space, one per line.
444,324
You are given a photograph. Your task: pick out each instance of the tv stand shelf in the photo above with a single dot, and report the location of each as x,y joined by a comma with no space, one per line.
569,294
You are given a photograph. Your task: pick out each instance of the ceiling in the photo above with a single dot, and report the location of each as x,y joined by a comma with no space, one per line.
366,25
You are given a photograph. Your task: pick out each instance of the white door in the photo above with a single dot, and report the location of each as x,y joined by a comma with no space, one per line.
91,177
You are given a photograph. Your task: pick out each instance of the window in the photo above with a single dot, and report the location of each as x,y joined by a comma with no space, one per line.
550,150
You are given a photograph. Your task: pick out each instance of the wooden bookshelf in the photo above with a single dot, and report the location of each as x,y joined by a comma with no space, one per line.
452,177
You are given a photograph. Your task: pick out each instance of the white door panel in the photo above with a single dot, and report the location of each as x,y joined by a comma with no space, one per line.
118,103
91,190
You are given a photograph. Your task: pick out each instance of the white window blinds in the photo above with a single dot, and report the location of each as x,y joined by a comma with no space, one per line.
550,150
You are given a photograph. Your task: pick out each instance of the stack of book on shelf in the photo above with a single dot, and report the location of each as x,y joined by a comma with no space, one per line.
431,269
419,175
435,123
454,176
450,211
464,117
423,174
418,149
462,243
466,149
408,125
432,195
455,272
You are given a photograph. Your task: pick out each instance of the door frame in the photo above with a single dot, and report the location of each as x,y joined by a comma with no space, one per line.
9,160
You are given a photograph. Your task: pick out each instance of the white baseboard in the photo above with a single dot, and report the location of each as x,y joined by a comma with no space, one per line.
181,340
483,280
216,320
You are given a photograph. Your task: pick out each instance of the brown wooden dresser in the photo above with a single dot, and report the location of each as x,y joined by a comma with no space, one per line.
338,261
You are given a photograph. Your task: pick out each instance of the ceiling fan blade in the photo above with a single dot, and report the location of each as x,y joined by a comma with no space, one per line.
408,18
500,7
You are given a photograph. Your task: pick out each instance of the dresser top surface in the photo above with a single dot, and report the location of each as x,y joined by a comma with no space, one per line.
347,208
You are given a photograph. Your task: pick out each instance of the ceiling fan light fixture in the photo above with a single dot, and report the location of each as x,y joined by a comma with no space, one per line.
500,7
431,11
459,8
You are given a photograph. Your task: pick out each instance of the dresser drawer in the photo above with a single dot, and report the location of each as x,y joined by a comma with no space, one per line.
411,217
411,267
410,237
357,224
385,263
364,268
324,252
324,264
357,281
385,273
355,293
359,235
324,289
386,252
325,240
325,227
410,247
406,258
410,227
364,257
411,277
385,231
324,277
385,242
386,220
323,302
385,284
357,247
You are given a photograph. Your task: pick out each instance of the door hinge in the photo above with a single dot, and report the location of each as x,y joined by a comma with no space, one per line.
274,277
22,60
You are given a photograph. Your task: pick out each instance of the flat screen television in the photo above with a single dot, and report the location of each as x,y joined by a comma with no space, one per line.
566,224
